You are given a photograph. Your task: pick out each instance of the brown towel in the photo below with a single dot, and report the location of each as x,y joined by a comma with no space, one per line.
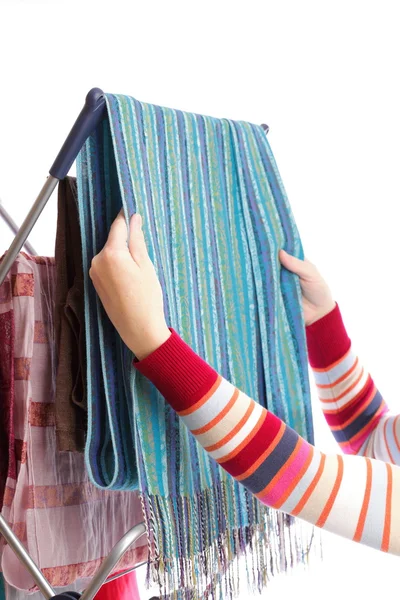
70,400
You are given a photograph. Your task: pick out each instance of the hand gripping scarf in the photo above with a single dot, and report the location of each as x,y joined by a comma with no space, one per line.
215,216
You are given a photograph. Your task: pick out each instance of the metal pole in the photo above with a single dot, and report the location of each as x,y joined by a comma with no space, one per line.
93,112
14,227
25,559
112,559
26,227
122,573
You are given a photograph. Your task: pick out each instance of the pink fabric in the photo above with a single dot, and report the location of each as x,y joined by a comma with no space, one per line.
66,523
123,588
7,449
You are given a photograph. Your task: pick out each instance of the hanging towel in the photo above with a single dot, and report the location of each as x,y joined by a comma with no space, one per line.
70,399
215,215
67,524
7,449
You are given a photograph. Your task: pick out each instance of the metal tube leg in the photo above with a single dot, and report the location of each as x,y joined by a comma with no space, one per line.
112,559
25,559
122,573
27,226
14,228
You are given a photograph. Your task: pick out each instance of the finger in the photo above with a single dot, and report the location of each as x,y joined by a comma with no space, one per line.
303,268
118,233
137,244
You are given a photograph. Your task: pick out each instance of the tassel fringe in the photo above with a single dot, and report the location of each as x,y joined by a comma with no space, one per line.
278,544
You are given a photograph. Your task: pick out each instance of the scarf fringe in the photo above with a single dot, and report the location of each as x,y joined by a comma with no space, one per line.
278,543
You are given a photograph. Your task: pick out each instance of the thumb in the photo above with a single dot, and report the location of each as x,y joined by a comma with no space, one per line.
302,268
136,243
118,233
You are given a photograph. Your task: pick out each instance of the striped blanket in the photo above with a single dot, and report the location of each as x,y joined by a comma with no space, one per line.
215,215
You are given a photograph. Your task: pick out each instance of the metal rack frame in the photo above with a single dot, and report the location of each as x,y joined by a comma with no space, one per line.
99,577
92,113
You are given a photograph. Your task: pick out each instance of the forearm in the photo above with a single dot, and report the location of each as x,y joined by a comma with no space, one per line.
353,406
355,497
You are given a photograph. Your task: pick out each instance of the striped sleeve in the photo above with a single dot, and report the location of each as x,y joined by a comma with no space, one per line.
353,496
354,409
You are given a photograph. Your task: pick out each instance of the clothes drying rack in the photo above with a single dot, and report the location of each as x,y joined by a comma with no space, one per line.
93,112
14,227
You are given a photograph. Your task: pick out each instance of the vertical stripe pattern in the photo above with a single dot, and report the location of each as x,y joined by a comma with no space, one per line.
215,216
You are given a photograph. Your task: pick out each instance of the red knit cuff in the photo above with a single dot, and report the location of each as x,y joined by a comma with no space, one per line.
178,373
327,340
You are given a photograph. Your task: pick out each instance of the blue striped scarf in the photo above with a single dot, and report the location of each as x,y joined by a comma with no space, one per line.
215,215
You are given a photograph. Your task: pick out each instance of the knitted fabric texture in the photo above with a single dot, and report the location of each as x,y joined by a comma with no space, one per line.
215,216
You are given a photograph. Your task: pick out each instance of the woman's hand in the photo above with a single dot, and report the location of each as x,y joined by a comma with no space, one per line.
317,297
126,282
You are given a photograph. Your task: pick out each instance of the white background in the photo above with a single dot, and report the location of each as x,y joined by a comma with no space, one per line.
323,75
